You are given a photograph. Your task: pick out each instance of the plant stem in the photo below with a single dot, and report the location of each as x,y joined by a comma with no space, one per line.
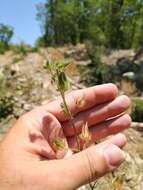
92,186
71,119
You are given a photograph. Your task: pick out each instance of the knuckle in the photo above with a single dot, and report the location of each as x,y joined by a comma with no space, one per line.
95,163
90,165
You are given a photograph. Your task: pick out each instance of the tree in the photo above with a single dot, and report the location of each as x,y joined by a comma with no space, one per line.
114,24
6,33
114,31
62,21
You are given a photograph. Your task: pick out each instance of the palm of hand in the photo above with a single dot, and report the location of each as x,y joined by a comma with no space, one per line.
48,123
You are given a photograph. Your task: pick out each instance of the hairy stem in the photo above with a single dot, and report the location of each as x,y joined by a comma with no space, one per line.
71,119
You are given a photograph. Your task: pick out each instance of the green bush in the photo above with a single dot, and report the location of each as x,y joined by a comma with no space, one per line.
139,81
6,99
21,49
3,85
137,110
96,72
2,48
40,42
6,106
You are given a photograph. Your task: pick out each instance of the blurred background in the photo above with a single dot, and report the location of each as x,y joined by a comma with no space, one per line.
103,41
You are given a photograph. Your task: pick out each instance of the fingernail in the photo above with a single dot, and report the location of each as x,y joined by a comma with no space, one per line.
114,155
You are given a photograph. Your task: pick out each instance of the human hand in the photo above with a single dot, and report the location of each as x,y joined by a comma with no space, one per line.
28,160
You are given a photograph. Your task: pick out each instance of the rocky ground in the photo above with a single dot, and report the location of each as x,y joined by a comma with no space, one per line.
28,85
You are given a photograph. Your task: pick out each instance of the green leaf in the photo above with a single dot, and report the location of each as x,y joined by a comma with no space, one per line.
61,65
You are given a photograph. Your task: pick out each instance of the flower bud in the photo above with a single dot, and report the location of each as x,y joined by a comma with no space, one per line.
63,83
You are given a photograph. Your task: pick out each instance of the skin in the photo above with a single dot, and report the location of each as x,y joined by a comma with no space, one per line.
28,158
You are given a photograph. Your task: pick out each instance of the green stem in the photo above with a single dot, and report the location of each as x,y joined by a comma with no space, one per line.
71,119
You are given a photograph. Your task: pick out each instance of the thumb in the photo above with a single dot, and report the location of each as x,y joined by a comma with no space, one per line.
94,162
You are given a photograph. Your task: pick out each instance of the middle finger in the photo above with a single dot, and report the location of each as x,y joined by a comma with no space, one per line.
97,115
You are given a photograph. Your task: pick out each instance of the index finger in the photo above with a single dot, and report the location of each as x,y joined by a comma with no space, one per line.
89,98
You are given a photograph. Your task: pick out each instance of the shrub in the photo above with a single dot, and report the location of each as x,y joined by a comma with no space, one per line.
96,72
137,110
40,42
2,48
139,81
6,106
21,49
6,99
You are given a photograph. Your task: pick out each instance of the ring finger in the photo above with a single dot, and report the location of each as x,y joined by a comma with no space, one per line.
104,129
